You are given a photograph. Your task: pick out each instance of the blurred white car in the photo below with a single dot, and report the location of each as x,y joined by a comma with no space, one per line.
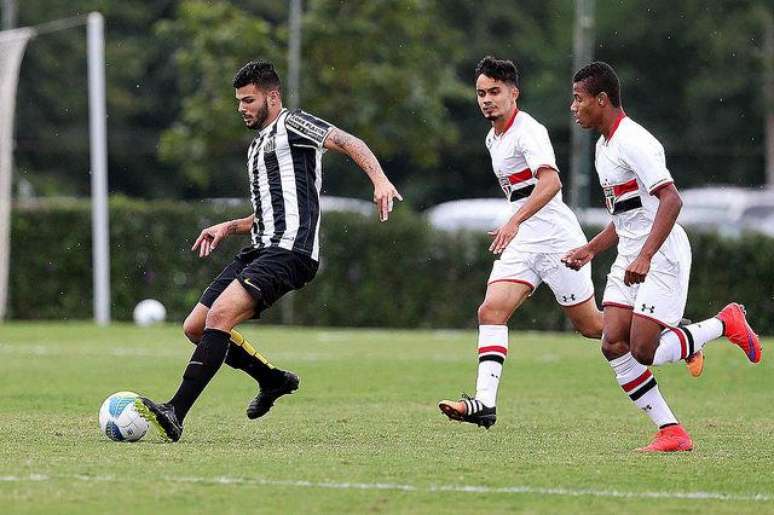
729,210
485,214
477,214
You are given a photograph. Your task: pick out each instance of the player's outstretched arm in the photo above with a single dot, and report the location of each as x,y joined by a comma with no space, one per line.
547,186
580,257
358,151
210,237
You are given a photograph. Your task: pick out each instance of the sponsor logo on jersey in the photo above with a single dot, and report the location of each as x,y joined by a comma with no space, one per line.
306,128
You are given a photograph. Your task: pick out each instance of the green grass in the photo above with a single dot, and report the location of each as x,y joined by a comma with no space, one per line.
366,415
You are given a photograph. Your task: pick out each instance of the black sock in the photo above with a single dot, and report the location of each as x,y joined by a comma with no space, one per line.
240,359
205,361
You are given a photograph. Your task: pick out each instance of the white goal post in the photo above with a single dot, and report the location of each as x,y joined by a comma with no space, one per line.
13,43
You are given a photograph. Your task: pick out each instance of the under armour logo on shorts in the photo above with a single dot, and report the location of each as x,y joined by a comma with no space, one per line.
645,308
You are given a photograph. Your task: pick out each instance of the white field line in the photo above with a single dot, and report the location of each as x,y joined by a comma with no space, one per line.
475,489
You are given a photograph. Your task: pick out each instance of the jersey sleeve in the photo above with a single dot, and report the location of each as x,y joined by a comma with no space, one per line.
536,147
308,127
646,159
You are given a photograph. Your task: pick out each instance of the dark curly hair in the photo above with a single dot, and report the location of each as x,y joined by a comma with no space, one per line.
499,69
598,77
260,73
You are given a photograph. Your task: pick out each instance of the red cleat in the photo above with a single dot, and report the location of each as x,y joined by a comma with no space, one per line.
670,439
739,332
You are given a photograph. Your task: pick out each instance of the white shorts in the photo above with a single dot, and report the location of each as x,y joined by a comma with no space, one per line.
569,286
663,295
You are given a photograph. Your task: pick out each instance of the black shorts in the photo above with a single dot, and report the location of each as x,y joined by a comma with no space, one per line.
267,274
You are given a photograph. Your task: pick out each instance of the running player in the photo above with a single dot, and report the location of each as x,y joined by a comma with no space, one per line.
648,284
530,245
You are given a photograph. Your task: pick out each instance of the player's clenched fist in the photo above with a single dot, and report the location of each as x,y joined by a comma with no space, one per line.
578,258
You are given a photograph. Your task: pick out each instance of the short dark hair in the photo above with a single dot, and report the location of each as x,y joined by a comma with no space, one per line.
499,69
598,77
258,72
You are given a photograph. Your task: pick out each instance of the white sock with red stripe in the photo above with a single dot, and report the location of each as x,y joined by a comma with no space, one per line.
680,342
492,350
641,387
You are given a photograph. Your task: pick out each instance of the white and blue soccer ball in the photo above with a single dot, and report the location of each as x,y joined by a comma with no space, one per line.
119,420
149,312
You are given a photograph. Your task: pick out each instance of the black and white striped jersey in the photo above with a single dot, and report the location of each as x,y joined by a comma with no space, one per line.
285,166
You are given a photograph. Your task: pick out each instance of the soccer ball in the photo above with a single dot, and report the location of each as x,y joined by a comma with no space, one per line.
118,419
149,311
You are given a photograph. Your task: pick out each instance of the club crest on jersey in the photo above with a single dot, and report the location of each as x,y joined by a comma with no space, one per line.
609,193
505,184
270,145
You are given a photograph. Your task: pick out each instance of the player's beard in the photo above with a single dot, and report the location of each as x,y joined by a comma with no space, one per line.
260,116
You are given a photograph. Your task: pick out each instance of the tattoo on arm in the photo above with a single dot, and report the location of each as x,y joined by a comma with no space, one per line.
356,149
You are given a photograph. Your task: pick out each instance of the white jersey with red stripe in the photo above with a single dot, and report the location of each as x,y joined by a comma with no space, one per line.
631,168
517,154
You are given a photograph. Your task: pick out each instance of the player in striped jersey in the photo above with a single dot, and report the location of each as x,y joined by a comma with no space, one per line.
530,245
284,164
647,286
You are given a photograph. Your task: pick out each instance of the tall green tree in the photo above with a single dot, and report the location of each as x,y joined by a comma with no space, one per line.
208,140
381,70
692,72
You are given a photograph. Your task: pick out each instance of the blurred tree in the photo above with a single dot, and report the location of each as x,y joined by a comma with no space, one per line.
538,37
397,73
384,75
692,73
52,112
208,141
386,72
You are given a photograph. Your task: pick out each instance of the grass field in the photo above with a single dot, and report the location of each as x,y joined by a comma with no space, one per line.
363,433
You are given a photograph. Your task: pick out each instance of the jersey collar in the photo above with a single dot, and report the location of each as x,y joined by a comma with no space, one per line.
507,125
616,123
265,130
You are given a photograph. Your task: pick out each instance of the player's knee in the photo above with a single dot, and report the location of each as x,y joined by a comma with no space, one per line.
193,330
589,329
614,348
219,318
491,314
643,354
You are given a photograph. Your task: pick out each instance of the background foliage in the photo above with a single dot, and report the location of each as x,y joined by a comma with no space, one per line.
397,73
399,274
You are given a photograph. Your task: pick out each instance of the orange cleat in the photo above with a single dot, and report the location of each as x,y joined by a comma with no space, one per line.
739,332
695,363
670,439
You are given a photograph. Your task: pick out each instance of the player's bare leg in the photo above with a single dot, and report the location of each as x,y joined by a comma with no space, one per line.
233,306
686,341
273,382
586,318
637,381
501,300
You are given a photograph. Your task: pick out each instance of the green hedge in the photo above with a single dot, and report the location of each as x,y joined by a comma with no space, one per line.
398,274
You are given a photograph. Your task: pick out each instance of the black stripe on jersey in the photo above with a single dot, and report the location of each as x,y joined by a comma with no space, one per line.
275,189
304,162
644,389
258,221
